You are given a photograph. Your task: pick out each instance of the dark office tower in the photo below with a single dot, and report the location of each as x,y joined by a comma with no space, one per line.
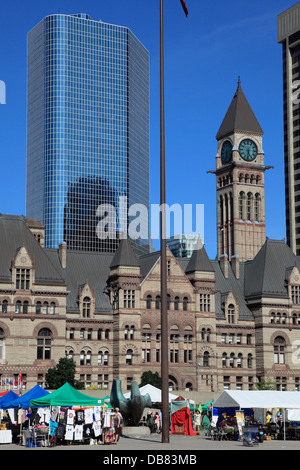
87,127
288,34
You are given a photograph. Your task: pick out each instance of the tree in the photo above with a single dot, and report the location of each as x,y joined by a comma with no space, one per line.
63,372
149,378
266,385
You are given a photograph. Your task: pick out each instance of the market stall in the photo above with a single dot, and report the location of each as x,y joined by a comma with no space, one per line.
74,417
265,399
6,434
154,393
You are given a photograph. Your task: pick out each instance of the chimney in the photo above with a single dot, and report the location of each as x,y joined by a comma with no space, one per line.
62,251
235,265
224,265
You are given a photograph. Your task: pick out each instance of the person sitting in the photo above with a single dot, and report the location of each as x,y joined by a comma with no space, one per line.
226,428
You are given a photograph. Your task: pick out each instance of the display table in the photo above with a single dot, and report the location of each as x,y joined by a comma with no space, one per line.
6,437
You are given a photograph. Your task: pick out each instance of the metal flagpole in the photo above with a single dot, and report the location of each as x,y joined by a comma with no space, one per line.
163,268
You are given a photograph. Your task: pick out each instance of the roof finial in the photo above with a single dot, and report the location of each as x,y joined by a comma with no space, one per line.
239,81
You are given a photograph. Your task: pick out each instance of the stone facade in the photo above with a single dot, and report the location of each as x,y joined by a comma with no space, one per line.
232,321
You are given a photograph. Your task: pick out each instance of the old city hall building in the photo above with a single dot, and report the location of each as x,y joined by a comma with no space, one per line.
232,321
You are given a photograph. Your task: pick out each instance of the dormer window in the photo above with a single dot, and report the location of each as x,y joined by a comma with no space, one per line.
231,312
86,307
295,291
22,278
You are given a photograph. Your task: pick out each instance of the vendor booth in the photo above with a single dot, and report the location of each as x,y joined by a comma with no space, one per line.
73,417
262,399
24,400
6,434
181,422
154,393
258,399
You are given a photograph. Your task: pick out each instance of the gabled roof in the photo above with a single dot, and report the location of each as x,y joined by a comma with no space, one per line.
266,274
13,233
199,261
239,116
124,255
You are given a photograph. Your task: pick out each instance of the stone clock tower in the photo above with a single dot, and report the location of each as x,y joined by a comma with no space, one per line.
240,182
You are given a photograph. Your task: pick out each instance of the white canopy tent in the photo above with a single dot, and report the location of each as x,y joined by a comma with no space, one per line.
155,393
257,399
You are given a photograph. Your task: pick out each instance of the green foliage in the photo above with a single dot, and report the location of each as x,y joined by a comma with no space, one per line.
266,385
63,372
149,378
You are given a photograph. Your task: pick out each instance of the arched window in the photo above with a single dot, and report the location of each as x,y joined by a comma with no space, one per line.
1,344
4,306
44,344
157,302
168,301
85,358
241,205
129,357
240,360
176,303
45,308
188,387
38,307
185,304
148,302
206,359
231,360
249,361
86,307
279,350
126,331
131,332
18,306
249,206
257,202
52,308
231,311
103,358
224,360
221,211
25,306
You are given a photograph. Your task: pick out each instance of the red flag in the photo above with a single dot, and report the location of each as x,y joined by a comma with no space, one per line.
184,7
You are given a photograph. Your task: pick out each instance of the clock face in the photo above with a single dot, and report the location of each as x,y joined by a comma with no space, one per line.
226,152
248,150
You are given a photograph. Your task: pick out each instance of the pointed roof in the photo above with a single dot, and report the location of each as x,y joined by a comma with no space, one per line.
199,261
266,274
239,116
124,256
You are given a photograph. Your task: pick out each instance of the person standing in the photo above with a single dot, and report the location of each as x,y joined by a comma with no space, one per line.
117,424
197,422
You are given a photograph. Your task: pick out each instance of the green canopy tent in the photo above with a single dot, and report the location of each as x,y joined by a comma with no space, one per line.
206,406
65,396
105,402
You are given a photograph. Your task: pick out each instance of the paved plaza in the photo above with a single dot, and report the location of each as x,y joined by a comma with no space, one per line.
153,443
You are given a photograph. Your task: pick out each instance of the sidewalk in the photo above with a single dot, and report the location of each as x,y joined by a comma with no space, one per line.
176,444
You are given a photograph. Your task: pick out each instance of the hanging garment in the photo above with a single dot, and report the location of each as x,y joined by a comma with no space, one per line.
79,416
97,413
55,413
88,415
69,432
70,416
107,420
97,428
87,431
78,432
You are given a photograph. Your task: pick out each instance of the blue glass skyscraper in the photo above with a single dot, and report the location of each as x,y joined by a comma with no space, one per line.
87,126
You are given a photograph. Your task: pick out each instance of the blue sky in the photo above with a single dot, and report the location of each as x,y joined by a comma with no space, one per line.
204,56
